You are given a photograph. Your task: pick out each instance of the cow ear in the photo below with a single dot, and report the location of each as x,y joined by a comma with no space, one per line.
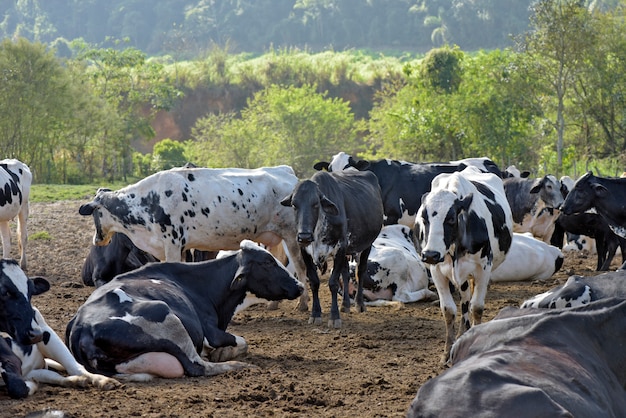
536,186
322,165
599,190
86,209
329,207
360,165
39,285
465,202
286,201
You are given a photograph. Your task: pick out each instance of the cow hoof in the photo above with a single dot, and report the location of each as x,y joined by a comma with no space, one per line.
315,320
302,306
361,308
345,309
334,323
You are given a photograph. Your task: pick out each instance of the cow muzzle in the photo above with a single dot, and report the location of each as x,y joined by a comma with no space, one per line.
305,238
432,257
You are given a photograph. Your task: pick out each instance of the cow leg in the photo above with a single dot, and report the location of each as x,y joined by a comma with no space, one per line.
610,244
5,231
448,308
477,303
22,235
301,272
314,282
339,264
362,276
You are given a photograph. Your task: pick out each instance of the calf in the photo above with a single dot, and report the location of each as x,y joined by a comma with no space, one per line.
15,179
163,318
28,345
535,363
402,183
337,214
581,290
395,268
103,263
206,209
532,203
464,230
528,259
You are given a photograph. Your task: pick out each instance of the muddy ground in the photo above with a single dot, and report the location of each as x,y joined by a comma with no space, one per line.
372,367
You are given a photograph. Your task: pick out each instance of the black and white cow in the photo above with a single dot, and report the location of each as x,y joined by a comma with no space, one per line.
164,319
402,183
395,269
207,209
533,203
15,180
28,346
337,214
105,262
535,363
528,259
464,230
581,290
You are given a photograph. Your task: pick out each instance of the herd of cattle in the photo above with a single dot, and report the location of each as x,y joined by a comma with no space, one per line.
388,228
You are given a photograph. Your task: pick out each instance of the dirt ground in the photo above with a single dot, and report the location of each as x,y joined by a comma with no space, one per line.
372,367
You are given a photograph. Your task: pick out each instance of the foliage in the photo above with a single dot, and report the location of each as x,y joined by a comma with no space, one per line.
281,125
167,154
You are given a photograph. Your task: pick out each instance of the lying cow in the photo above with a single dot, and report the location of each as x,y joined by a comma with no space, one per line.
581,290
464,230
535,363
206,209
395,269
164,319
528,259
28,344
533,203
402,183
337,214
15,179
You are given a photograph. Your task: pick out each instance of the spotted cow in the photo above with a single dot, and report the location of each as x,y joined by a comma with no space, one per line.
528,259
15,179
29,349
581,290
402,183
166,319
207,209
535,363
338,214
395,268
464,230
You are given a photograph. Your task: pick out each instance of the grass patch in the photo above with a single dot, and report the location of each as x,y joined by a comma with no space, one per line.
55,192
45,235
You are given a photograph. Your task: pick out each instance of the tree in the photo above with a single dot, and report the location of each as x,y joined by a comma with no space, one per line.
559,38
167,154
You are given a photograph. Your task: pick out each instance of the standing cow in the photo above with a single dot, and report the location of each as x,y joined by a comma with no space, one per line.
181,209
464,229
337,214
15,179
402,183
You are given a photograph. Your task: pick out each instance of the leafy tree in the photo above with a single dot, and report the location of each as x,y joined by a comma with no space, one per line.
281,125
167,154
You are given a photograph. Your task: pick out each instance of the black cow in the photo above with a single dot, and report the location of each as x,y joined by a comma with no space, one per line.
26,340
607,195
105,262
402,183
535,363
581,290
531,201
163,318
337,214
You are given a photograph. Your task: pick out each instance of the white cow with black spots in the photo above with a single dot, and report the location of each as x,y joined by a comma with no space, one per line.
15,180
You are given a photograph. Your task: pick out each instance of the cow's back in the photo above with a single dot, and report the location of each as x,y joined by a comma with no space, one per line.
15,181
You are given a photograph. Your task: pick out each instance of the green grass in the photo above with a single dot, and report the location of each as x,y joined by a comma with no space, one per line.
56,192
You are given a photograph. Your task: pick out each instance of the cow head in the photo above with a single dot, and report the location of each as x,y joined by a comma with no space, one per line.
582,196
440,221
340,162
101,217
549,190
17,317
264,276
309,203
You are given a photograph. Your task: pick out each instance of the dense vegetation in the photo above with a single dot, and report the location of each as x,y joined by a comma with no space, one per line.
554,103
184,28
